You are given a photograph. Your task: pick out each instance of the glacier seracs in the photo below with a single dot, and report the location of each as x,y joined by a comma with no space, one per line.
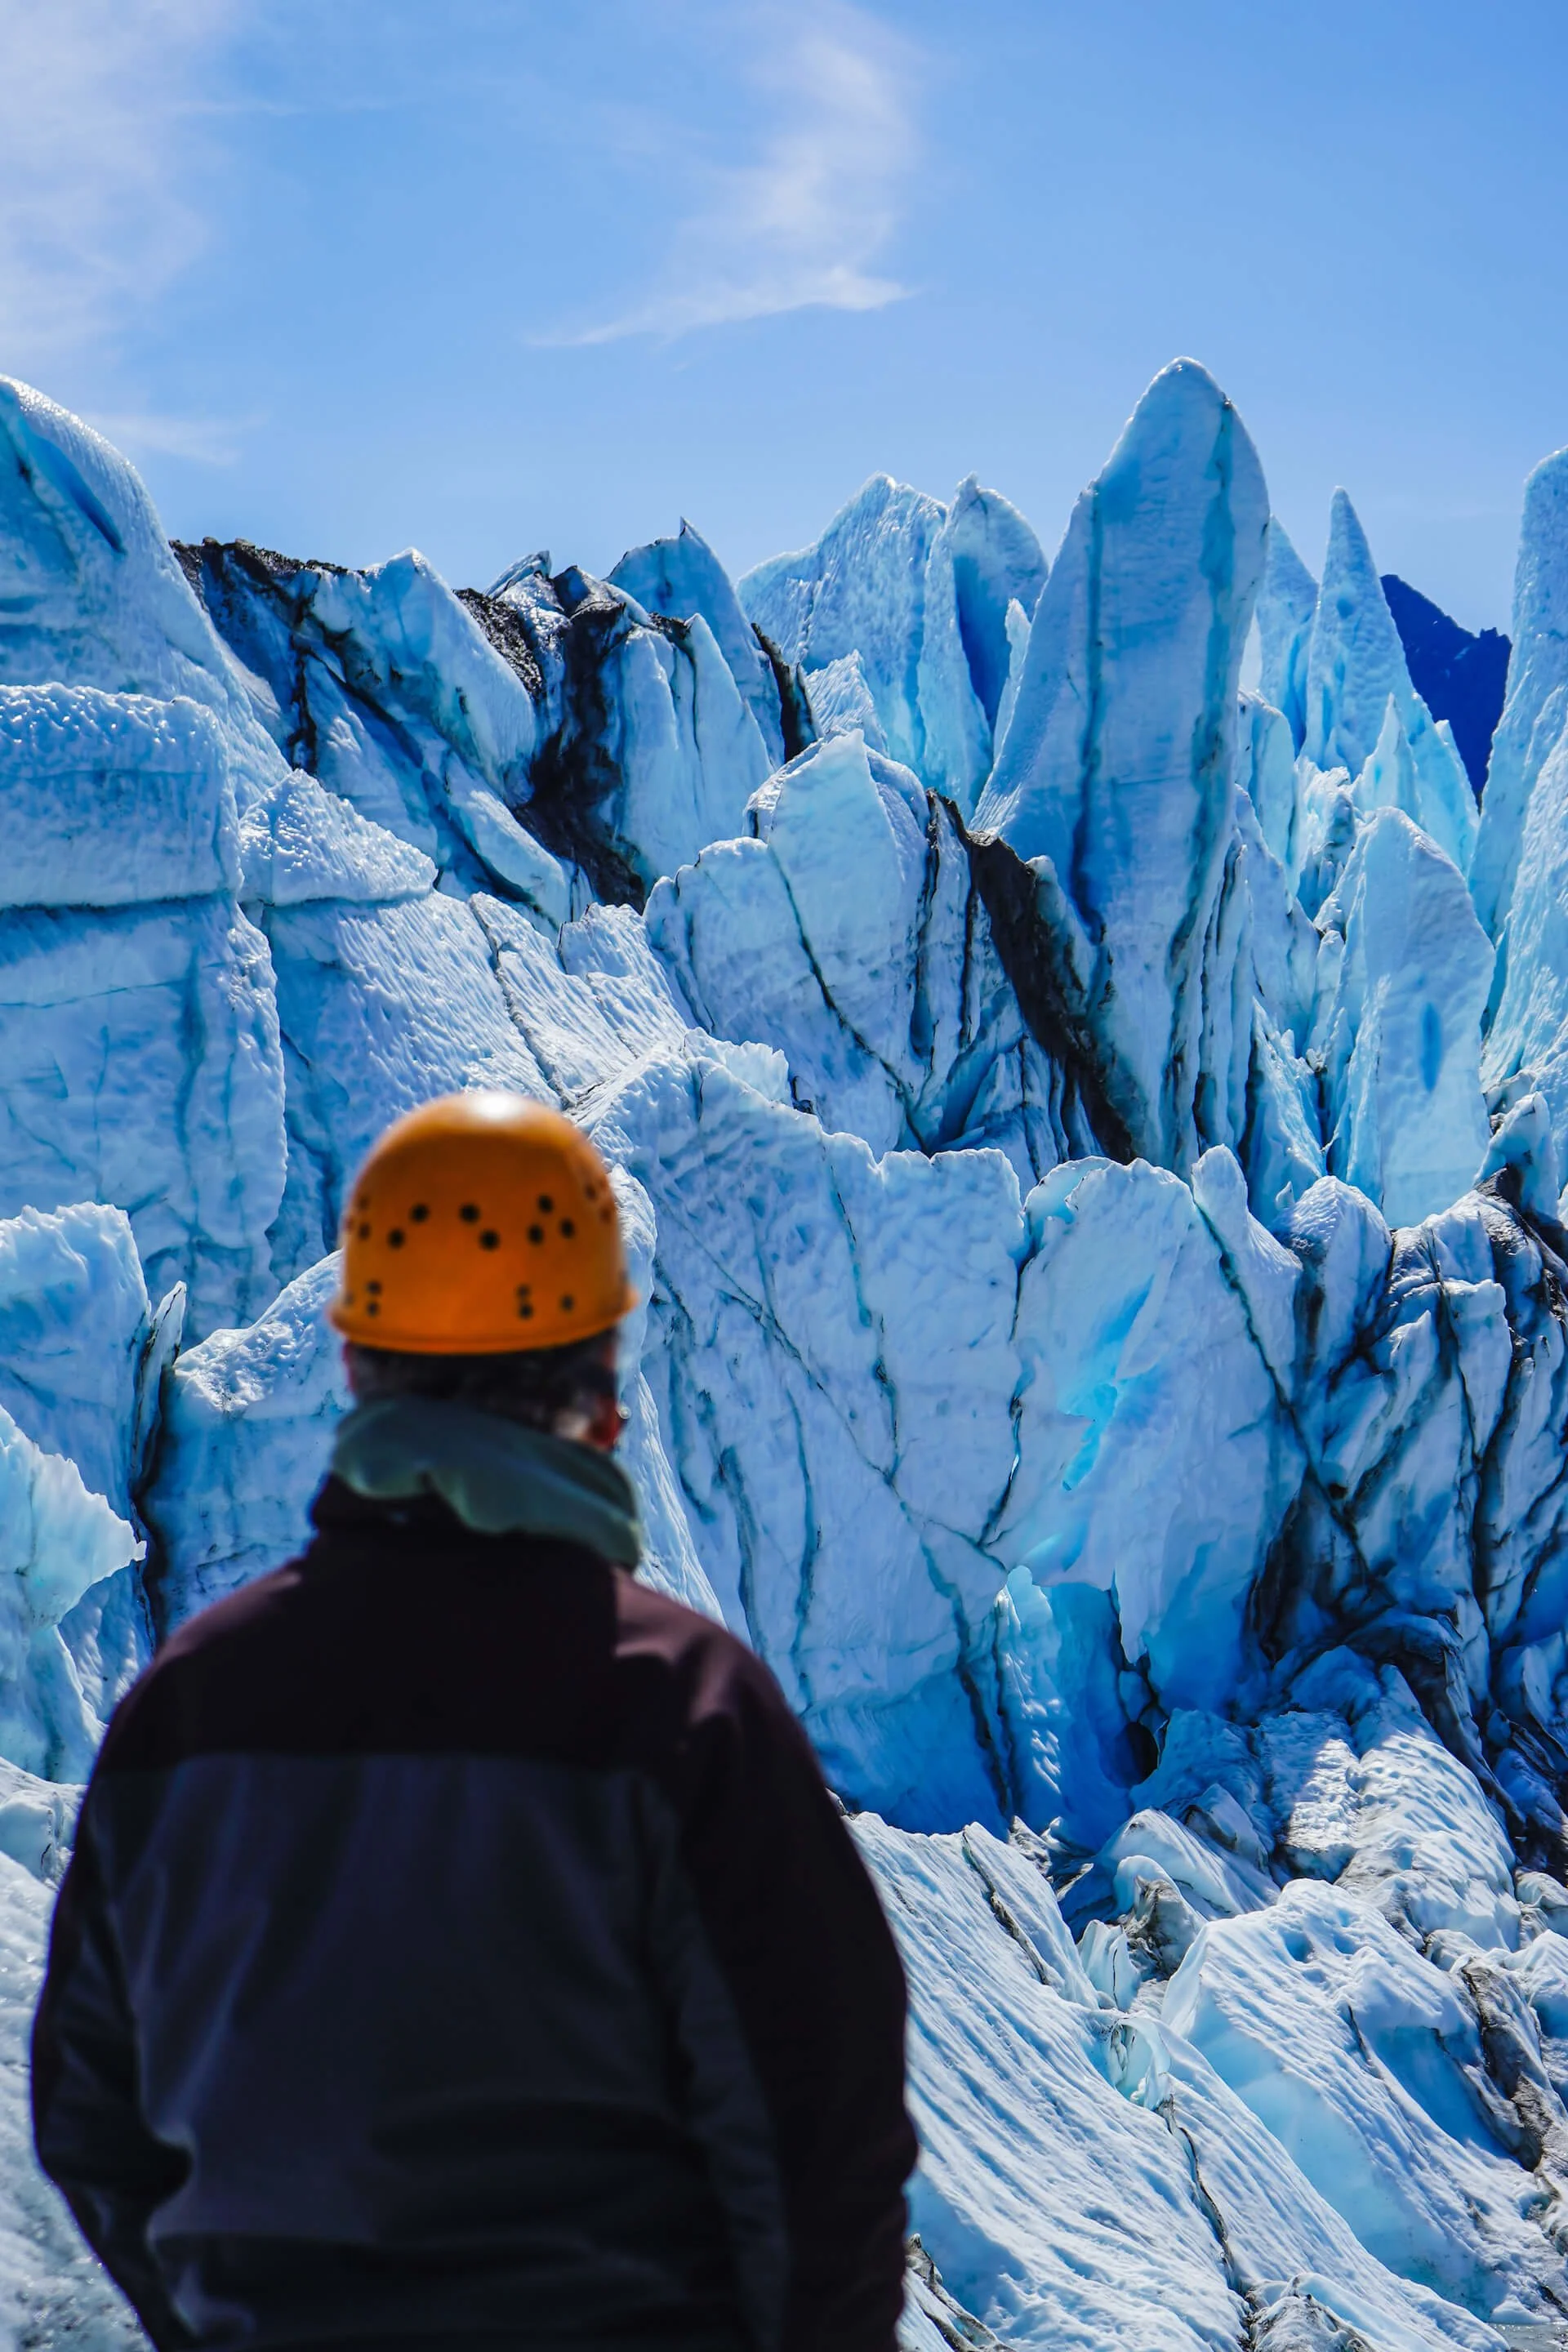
1358,691
1287,606
1116,785
919,593
1089,1139
846,929
1537,697
682,578
1404,972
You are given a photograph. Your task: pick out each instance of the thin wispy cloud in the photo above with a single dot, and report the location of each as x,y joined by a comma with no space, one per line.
199,440
95,148
806,220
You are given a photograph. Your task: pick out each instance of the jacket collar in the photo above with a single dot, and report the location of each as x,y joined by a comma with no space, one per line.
495,1476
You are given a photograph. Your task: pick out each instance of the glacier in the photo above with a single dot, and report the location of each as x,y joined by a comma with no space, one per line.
1089,1136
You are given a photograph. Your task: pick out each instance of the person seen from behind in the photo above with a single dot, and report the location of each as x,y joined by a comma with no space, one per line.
460,1944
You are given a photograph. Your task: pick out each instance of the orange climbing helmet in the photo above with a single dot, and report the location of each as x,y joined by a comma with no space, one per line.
481,1224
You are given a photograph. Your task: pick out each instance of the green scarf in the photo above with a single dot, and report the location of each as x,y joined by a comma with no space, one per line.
500,1477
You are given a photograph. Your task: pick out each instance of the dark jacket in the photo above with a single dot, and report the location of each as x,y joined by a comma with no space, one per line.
461,1943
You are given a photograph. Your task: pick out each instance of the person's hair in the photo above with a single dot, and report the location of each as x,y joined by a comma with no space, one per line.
537,1386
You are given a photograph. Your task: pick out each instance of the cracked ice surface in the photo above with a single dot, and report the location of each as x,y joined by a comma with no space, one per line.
834,1378
51,2290
1190,2225
1093,1182
847,931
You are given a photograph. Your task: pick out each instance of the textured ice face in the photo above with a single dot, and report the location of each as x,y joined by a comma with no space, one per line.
81,1356
139,1064
1402,981
1084,2174
997,562
1365,2060
366,1037
1527,1048
682,578
246,1435
112,799
1536,702
138,1018
49,2282
848,931
650,747
1095,1343
916,594
833,1369
860,589
1359,697
93,594
75,1327
1117,779
1153,1462
384,686
1287,604
60,1540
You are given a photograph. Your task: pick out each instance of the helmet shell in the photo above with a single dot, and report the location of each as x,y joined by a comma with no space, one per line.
479,1224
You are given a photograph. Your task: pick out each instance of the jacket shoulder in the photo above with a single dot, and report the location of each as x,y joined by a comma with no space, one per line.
714,1672
702,1710
218,1637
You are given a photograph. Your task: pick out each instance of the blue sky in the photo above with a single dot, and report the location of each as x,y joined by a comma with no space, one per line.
492,275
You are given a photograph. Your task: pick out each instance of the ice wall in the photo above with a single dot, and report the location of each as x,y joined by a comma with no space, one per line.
1093,1175
139,1050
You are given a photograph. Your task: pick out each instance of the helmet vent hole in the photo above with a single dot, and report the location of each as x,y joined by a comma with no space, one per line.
545,1204
394,1238
567,1304
489,1238
365,1233
372,1306
373,1289
469,1212
418,1213
567,1229
536,1233
524,1310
